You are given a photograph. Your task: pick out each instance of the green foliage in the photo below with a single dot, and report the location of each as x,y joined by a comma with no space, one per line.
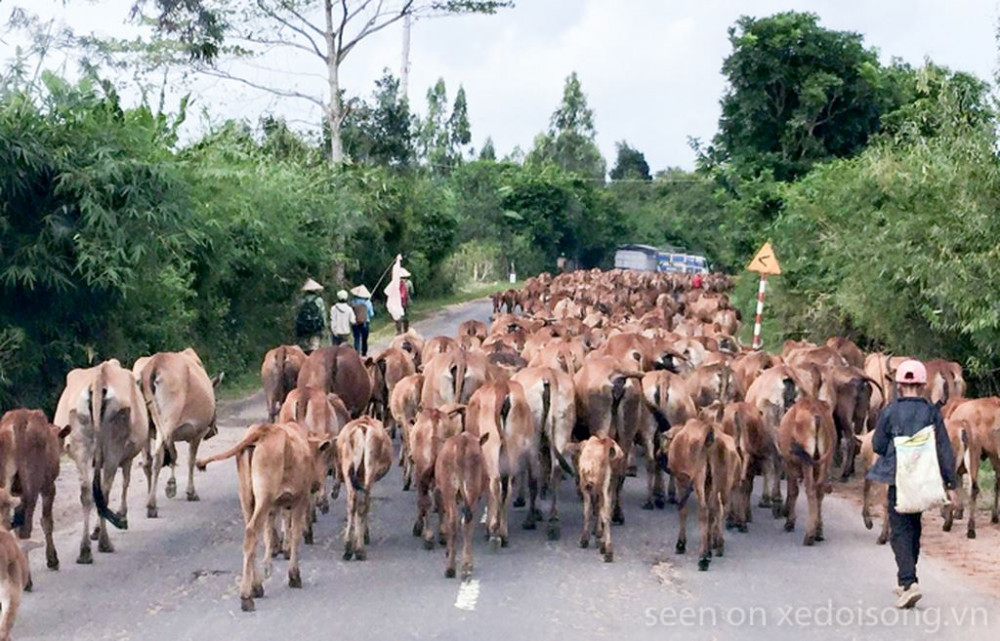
630,164
569,143
380,132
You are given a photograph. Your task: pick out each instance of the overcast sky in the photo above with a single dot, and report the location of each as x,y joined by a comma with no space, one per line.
650,68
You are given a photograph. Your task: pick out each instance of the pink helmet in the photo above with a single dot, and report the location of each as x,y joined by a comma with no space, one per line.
912,372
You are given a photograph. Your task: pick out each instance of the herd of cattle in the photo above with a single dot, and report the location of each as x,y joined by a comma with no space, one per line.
582,375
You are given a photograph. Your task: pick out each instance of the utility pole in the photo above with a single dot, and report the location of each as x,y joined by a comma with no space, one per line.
404,72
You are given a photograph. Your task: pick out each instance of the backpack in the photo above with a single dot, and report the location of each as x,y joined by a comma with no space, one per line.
309,321
360,313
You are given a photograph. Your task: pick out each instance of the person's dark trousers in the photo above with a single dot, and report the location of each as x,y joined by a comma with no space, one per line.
904,537
361,338
336,340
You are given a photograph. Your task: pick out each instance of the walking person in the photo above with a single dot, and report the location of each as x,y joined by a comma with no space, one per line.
310,320
361,305
397,296
908,414
341,315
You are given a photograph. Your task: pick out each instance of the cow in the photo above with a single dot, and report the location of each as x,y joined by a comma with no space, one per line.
958,436
278,467
340,370
806,440
982,416
15,575
181,402
280,373
704,461
404,403
500,409
852,392
430,429
758,453
872,491
412,343
109,426
773,393
667,402
36,448
364,452
386,370
452,377
601,461
472,333
461,479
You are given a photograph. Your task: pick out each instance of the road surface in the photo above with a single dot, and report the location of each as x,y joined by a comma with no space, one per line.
175,578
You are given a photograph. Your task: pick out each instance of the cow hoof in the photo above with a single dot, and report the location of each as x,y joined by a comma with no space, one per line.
946,526
52,561
553,531
681,547
809,540
529,524
881,540
869,525
600,547
367,537
671,499
360,555
257,591
324,507
429,544
618,519
95,534
971,534
819,535
442,539
609,557
86,557
406,485
703,564
494,543
789,526
171,489
504,541
959,514
764,502
585,543
193,496
519,501
152,512
335,493
632,471
660,503
124,520
418,528
246,604
466,572
348,553
449,573
104,545
29,586
742,528
308,538
845,477
294,579
648,505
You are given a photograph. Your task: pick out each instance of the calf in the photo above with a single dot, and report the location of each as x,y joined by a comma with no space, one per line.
404,403
431,428
982,416
601,459
37,444
866,459
15,576
806,440
386,370
758,453
280,373
365,454
278,468
460,475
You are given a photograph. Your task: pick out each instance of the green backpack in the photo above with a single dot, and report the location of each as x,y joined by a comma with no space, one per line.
309,320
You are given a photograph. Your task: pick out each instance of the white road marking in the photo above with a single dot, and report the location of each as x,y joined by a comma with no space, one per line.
485,512
468,594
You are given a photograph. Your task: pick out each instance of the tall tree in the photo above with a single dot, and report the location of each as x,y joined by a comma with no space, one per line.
381,132
797,93
212,32
569,142
630,164
459,130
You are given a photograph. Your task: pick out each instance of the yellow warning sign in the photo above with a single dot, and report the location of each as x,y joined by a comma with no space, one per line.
765,262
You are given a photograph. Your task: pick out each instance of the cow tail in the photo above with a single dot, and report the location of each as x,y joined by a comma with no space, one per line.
98,390
549,421
360,458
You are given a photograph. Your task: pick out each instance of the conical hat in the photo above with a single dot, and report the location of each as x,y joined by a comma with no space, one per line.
403,273
312,286
361,292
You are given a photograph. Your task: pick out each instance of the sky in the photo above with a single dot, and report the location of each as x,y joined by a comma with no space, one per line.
650,68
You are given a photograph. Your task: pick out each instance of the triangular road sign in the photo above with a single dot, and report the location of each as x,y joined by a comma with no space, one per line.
765,262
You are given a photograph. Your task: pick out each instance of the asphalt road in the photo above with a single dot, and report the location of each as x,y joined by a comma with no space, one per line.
175,578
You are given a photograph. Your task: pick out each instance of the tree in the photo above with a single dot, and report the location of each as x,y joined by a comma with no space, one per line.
211,32
797,94
488,152
443,135
630,165
380,133
569,142
459,131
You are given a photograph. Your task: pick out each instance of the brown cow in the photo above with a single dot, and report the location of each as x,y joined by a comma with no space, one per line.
958,436
472,333
704,461
500,409
278,468
181,402
15,576
109,426
773,393
758,453
340,370
280,372
866,460
460,476
668,403
431,428
36,448
404,403
410,342
982,416
452,377
848,350
806,440
601,462
386,370
365,453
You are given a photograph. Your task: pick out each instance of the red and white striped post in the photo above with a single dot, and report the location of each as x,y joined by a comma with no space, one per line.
760,311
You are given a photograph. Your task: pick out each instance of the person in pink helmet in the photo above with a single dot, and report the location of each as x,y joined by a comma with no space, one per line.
906,415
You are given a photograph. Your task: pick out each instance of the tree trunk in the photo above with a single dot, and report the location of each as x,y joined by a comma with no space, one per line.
334,111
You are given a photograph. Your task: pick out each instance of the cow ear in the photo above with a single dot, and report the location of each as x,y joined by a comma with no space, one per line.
62,433
482,439
369,361
217,379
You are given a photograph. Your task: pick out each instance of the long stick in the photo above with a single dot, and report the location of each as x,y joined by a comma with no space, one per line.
379,281
760,311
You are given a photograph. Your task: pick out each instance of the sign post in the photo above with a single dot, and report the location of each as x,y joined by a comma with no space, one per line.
764,263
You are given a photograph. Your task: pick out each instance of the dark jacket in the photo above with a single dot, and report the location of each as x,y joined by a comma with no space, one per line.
905,417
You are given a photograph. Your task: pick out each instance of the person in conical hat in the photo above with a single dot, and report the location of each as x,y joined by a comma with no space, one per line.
397,296
361,305
310,320
312,286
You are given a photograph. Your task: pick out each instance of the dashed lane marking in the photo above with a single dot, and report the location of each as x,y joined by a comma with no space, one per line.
468,594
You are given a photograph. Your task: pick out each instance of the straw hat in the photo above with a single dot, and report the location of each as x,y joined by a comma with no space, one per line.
361,292
342,295
312,286
403,273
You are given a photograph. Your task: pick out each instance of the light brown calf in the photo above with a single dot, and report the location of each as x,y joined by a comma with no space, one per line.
15,576
404,402
600,462
758,453
365,453
806,440
431,428
872,492
461,479
280,372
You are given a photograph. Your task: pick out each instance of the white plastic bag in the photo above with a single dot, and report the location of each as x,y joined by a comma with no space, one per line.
918,477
